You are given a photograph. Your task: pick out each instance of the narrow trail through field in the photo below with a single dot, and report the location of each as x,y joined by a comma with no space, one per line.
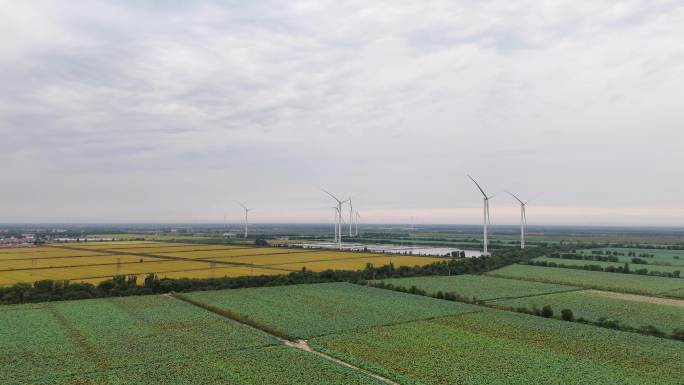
636,298
297,344
537,295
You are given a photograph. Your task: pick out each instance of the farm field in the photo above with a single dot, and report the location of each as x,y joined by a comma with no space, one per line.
44,252
83,260
632,266
496,347
479,286
95,262
104,245
357,263
148,340
627,283
592,305
226,252
660,256
305,311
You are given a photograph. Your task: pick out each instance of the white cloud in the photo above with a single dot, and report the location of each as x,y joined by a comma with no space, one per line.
171,110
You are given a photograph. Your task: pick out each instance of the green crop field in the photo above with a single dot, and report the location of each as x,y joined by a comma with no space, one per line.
479,286
660,256
148,340
591,305
305,311
496,347
628,283
632,266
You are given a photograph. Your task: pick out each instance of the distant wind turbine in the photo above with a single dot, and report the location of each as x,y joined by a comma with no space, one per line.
247,210
523,219
340,202
335,223
357,216
351,216
486,221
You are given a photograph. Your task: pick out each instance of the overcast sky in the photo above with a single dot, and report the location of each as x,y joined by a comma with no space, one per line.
148,111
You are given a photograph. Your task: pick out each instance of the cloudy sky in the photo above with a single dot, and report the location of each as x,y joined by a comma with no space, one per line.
148,111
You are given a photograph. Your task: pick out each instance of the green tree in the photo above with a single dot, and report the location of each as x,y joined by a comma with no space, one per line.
566,315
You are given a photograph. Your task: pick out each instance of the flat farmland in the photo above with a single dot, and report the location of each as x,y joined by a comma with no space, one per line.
305,311
83,260
632,266
105,245
481,287
660,256
149,340
205,272
93,263
225,252
338,262
497,347
45,252
162,249
163,268
627,283
592,305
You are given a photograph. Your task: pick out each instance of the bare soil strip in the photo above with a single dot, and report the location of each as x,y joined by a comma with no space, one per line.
637,298
536,295
303,345
297,344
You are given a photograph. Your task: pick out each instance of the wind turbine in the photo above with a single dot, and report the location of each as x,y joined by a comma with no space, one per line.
339,217
337,210
247,210
523,219
486,219
351,216
357,216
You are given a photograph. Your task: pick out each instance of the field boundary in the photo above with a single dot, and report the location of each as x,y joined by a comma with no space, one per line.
280,335
537,295
595,287
637,298
172,258
173,271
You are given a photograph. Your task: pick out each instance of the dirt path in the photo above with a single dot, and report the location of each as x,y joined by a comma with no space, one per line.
297,344
303,345
636,298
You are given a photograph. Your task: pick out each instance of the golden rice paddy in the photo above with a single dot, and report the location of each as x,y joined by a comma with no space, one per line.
95,262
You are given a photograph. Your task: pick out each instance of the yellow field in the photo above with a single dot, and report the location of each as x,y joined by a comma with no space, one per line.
359,263
99,261
46,252
235,252
172,249
43,262
104,245
219,272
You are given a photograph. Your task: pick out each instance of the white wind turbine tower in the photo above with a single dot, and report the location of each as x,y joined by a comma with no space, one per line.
247,210
335,223
486,220
339,218
523,219
357,216
351,216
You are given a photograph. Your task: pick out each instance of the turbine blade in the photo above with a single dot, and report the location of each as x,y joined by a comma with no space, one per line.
332,196
478,186
515,196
